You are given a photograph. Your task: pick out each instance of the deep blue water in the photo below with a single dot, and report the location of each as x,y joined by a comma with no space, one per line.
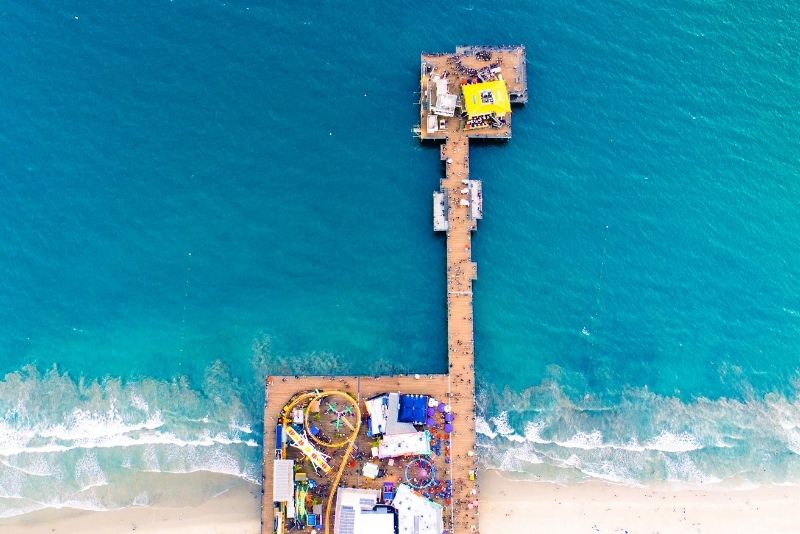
195,194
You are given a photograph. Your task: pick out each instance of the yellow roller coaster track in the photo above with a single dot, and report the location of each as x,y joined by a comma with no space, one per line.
349,441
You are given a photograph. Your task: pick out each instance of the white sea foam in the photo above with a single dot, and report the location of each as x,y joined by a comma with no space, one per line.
35,465
11,483
216,460
139,403
788,425
643,437
243,428
88,425
669,442
610,476
517,459
67,443
793,440
582,440
8,510
502,427
482,427
112,441
684,469
88,472
533,432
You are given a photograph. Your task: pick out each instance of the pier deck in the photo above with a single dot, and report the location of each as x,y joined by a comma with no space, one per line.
512,64
281,388
461,271
459,218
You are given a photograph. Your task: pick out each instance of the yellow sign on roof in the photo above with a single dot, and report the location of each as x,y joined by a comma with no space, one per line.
486,97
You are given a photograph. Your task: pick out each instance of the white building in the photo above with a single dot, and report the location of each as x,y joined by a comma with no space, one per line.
416,514
357,512
412,444
283,481
445,104
383,412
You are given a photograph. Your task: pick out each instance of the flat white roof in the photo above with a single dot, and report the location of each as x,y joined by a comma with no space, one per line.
392,446
445,105
355,515
375,523
383,411
377,414
416,514
283,480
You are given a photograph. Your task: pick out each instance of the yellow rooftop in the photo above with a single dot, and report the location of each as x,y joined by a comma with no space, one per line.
486,97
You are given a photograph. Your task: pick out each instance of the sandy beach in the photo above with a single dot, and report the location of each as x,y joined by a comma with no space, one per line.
507,505
177,508
524,506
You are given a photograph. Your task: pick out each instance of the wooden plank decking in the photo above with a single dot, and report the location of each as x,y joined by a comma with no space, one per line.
461,271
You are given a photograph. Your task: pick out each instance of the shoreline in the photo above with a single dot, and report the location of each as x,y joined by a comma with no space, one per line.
178,505
506,505
513,505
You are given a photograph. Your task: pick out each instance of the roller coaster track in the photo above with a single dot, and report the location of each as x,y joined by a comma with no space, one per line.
349,442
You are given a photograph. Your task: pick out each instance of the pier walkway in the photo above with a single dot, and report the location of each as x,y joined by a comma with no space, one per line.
457,207
461,271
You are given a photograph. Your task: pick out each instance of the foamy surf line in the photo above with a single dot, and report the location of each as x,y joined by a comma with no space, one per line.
644,439
78,445
231,500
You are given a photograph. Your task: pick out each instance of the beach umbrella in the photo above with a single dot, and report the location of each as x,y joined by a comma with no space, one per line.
440,407
448,418
429,421
430,411
448,428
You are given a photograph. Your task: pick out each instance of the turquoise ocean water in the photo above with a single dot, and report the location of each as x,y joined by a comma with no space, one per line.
193,194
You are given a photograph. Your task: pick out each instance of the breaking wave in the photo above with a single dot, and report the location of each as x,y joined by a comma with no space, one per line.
78,444
642,438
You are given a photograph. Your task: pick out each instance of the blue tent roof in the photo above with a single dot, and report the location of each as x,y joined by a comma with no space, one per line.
412,409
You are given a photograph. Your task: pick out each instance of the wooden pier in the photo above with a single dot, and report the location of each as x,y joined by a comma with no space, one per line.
458,217
511,63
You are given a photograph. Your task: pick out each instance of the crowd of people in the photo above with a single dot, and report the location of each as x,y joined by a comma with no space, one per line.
478,121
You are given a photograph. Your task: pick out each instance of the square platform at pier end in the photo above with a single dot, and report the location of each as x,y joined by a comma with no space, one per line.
449,83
